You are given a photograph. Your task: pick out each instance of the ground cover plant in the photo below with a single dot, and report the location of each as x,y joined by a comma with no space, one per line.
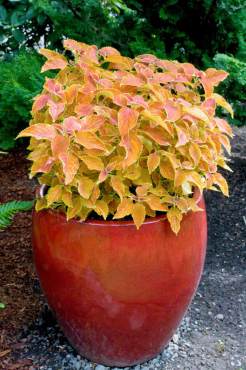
120,136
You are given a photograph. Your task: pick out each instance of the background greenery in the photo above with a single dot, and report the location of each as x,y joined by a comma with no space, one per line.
204,32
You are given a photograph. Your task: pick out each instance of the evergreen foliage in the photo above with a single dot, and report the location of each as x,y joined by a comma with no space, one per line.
8,210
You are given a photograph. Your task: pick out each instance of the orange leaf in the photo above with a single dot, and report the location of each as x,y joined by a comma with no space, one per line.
70,164
133,147
127,120
223,126
92,122
138,214
195,153
71,124
167,170
216,76
158,134
153,162
55,60
124,209
93,163
131,80
155,204
83,109
173,110
174,216
59,146
182,137
89,140
55,109
39,131
107,51
40,102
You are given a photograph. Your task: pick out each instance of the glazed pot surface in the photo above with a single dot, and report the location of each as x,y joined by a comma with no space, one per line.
119,293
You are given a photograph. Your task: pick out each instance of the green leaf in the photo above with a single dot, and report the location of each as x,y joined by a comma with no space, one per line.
3,13
18,35
2,305
8,210
17,18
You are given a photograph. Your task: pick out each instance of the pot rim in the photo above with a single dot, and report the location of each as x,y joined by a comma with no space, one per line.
40,193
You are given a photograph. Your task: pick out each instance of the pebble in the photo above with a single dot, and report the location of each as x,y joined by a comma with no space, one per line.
220,316
100,367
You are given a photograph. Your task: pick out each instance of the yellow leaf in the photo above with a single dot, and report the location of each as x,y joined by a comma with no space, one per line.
223,139
67,197
195,153
223,103
197,113
120,61
124,209
40,204
95,194
153,162
118,186
54,194
174,216
85,186
133,172
77,205
219,180
101,208
138,214
93,163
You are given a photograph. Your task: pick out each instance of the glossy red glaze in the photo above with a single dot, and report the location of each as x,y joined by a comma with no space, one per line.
119,294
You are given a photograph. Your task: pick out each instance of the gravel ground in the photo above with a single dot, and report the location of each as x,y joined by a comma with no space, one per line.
212,335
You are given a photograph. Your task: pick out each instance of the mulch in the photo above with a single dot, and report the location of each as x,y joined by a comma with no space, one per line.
19,289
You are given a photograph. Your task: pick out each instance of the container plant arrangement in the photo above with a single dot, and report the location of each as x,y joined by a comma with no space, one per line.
123,149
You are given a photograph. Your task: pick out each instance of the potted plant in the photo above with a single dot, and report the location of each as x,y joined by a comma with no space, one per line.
123,149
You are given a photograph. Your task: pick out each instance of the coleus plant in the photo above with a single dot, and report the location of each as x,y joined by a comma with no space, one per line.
126,137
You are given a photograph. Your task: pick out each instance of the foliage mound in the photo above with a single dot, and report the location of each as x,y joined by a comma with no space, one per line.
120,136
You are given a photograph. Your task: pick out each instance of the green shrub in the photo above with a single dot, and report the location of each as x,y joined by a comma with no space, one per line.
8,210
234,88
20,82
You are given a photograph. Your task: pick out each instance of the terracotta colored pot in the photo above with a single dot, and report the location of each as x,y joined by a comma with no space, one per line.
119,294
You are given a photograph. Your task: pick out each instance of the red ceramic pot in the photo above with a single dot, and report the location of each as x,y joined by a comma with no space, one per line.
119,293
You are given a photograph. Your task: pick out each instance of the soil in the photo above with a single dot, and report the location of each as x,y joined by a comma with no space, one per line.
213,333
